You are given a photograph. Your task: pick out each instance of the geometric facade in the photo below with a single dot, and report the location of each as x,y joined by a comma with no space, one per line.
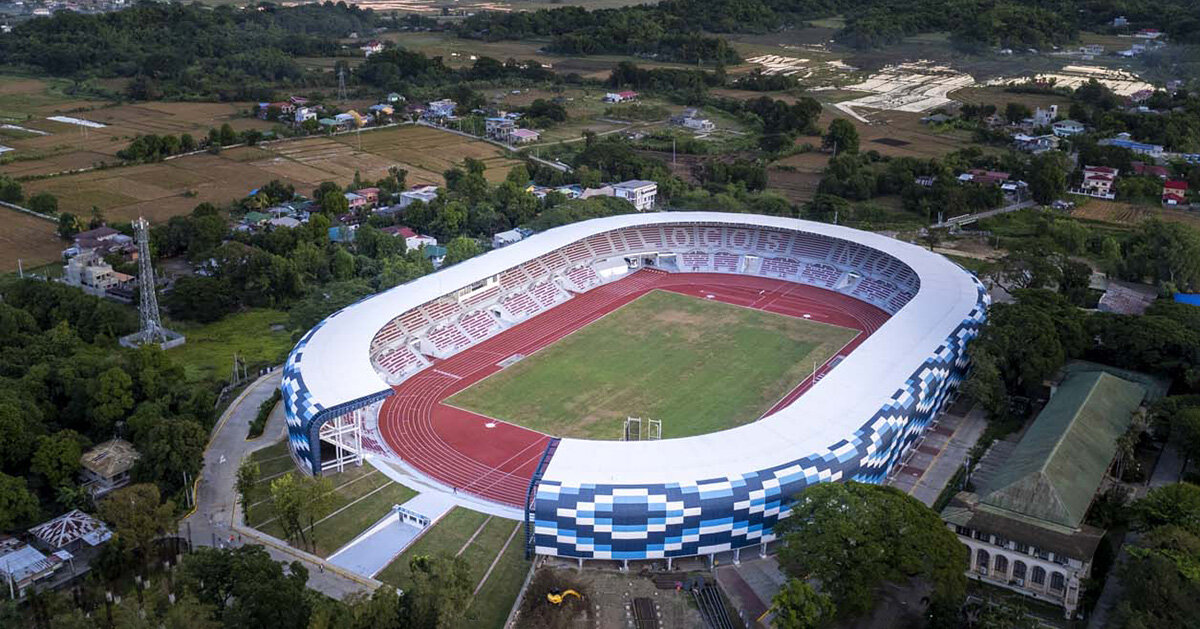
675,497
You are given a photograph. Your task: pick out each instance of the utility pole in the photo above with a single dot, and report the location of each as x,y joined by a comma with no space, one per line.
342,84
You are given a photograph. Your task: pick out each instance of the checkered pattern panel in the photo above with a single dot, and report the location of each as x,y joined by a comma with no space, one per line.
304,414
720,514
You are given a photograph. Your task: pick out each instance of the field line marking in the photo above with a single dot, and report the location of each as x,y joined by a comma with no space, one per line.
343,485
496,560
266,522
473,536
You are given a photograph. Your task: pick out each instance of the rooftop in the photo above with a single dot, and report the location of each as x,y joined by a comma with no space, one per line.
110,458
71,527
1057,466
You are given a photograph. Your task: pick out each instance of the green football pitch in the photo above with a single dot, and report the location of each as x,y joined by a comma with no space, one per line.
697,365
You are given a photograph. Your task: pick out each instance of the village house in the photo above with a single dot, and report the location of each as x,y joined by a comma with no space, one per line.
423,194
620,97
371,48
106,467
443,108
304,114
436,254
1150,170
986,178
523,136
1124,140
356,201
90,272
370,194
72,532
1023,524
1068,128
21,566
639,192
103,240
1098,182
1035,144
1174,192
498,127
412,240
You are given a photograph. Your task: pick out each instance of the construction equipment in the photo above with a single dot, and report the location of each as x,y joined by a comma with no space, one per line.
556,597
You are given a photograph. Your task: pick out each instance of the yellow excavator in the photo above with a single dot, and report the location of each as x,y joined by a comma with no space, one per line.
556,597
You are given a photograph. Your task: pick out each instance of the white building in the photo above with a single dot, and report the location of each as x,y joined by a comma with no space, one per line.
1067,128
507,238
639,192
424,194
699,124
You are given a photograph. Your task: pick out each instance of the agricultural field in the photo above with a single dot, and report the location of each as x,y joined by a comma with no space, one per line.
361,496
646,359
50,147
1128,215
481,540
30,239
164,189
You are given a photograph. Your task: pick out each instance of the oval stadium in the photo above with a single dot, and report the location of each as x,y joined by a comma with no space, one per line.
642,386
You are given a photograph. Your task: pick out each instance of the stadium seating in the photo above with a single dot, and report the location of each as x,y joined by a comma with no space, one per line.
399,360
820,275
780,267
547,294
478,325
520,305
448,339
724,262
583,277
695,261
482,297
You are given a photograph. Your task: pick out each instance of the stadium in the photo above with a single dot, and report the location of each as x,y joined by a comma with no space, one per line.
767,353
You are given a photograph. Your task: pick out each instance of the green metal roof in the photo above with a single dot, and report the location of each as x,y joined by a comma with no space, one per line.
1056,468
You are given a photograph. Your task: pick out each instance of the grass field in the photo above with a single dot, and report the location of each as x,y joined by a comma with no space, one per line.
450,536
699,366
362,495
255,335
27,238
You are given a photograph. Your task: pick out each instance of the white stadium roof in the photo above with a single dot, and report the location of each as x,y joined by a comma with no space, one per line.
337,368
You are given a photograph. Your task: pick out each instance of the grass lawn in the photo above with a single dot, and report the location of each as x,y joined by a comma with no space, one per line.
364,494
698,365
258,336
449,536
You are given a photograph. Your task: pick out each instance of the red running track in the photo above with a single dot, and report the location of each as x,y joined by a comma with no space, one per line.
494,459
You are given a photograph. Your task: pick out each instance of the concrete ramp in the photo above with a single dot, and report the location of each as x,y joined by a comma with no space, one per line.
373,549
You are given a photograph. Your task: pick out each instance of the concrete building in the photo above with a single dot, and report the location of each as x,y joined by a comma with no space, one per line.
1068,128
106,467
523,136
424,194
412,240
639,192
507,238
1098,181
1023,525
22,565
89,271
72,532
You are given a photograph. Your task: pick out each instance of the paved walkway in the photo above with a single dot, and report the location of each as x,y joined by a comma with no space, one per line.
939,454
373,549
216,518
1167,470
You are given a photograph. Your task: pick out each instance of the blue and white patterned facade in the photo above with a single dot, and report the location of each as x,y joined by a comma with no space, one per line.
682,497
303,413
720,514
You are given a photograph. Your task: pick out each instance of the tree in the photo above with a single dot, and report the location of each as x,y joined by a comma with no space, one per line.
798,606
1185,431
17,505
57,458
461,248
440,592
1048,176
111,398
287,500
1170,505
68,225
10,190
44,202
247,477
842,136
227,135
334,203
202,299
173,450
854,537
139,516
247,587
1016,112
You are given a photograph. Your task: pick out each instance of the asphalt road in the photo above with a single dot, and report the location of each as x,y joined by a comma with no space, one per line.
217,516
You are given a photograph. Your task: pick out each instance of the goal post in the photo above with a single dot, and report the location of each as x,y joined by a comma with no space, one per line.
638,429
